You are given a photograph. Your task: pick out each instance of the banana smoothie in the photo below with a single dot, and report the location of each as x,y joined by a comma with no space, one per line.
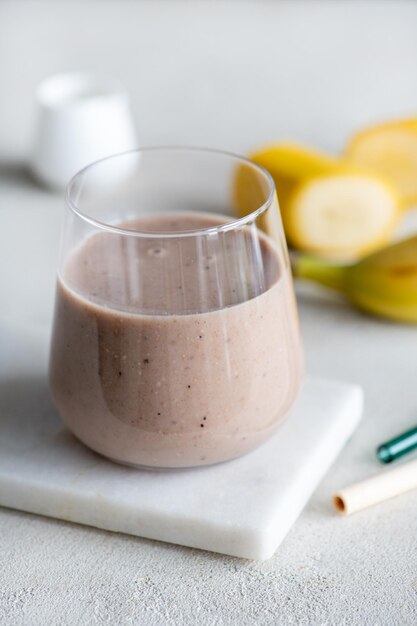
167,353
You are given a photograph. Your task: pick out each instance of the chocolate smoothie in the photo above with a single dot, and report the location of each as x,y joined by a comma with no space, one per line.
175,351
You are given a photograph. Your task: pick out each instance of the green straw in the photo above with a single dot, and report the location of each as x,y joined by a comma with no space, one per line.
397,447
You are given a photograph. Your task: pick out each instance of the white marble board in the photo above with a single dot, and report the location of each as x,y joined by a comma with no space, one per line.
242,508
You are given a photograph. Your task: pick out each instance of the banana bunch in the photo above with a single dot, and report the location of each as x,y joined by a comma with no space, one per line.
337,210
383,283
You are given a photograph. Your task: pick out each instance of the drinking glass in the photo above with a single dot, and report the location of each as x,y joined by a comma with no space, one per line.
176,340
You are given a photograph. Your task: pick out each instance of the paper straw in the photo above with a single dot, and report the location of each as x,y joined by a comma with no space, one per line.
376,489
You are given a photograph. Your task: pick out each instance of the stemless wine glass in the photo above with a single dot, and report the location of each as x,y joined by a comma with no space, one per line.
176,339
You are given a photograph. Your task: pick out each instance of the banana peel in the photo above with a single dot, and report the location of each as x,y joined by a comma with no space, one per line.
290,163
383,283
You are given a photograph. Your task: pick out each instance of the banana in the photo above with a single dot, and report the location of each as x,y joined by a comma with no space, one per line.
328,206
383,283
390,150
341,215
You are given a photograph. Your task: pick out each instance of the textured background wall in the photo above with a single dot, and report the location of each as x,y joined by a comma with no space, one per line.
226,74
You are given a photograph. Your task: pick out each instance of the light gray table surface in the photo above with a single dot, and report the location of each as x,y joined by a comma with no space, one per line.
229,74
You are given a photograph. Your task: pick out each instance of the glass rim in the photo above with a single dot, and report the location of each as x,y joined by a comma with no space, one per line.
210,230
